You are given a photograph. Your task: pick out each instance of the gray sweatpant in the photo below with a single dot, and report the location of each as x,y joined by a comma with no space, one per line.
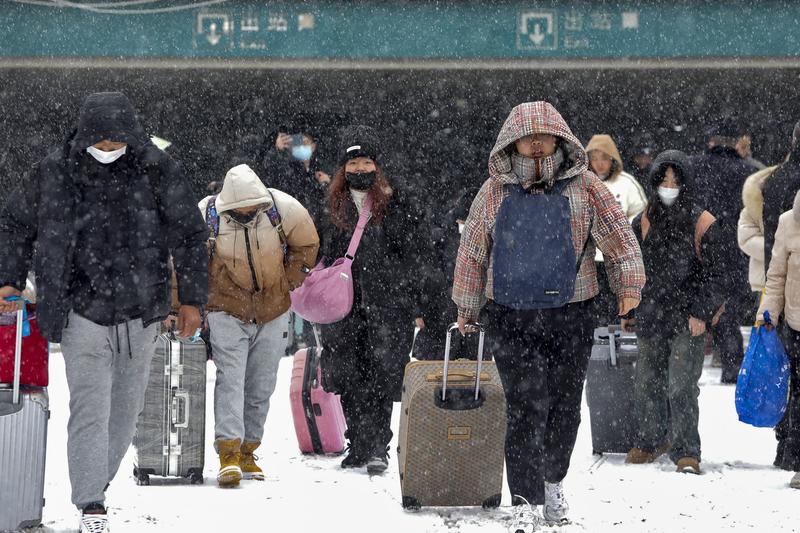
107,382
247,358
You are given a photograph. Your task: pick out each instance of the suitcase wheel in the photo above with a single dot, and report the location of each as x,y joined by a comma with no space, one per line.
492,502
142,478
595,452
411,503
196,477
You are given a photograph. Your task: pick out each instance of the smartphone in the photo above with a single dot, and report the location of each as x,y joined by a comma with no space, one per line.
297,139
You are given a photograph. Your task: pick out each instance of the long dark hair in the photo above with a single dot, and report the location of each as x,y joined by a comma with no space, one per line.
676,220
338,197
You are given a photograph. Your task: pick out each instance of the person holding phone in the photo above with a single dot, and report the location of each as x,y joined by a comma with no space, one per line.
292,166
105,212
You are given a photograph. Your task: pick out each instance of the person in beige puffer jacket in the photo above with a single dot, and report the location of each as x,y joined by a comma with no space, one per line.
252,268
605,161
750,230
782,296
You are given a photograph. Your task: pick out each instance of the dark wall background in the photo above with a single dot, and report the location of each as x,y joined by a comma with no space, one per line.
437,126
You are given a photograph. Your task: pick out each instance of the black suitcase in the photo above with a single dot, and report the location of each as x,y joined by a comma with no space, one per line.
170,432
609,390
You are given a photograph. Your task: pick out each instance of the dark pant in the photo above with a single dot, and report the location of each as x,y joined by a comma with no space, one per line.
728,340
788,431
605,303
666,393
542,357
363,360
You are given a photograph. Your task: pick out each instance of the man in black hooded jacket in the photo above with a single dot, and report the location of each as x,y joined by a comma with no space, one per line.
720,175
104,214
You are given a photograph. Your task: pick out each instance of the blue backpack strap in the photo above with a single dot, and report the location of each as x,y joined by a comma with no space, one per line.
212,221
276,221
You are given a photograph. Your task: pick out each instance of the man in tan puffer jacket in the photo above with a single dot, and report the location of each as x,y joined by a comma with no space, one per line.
265,245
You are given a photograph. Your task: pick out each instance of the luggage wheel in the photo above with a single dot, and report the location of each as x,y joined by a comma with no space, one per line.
411,503
142,478
595,452
196,477
493,502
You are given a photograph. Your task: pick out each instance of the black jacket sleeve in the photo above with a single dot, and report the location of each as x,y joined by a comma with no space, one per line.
409,232
18,230
186,233
278,168
714,283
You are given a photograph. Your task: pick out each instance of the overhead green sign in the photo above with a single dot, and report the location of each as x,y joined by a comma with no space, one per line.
401,30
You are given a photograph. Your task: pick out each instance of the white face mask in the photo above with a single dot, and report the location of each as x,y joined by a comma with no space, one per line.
668,196
460,228
107,157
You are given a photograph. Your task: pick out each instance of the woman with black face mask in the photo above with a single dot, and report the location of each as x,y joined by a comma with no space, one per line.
365,354
685,291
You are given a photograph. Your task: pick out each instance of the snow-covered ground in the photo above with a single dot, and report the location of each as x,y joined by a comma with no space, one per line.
738,491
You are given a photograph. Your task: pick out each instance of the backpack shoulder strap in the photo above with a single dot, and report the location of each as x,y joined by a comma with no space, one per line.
704,222
277,222
212,221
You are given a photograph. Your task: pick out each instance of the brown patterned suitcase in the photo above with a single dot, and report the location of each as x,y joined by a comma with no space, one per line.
452,432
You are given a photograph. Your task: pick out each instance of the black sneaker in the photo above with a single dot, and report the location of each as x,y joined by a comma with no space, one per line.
379,462
354,458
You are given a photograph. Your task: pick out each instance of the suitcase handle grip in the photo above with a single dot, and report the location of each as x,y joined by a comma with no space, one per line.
612,344
481,334
180,396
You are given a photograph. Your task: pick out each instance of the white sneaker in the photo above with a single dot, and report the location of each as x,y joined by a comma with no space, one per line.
555,503
94,523
525,517
795,482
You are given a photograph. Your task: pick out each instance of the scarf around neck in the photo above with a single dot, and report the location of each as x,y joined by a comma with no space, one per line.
539,173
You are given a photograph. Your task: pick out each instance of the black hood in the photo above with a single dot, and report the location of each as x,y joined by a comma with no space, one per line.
678,160
108,116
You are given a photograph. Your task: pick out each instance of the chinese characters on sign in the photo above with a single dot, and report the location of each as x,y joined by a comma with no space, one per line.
539,30
250,30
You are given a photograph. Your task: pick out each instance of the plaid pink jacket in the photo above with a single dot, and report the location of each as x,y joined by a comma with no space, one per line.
591,204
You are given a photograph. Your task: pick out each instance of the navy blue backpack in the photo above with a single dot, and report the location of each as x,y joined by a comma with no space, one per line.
533,256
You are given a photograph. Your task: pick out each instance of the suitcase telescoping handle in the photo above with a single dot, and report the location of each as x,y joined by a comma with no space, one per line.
612,344
18,347
481,333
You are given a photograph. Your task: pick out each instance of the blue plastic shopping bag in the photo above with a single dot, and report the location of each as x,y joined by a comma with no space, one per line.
762,389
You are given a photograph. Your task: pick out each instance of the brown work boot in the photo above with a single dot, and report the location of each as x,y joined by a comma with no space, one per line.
247,461
229,471
638,456
688,465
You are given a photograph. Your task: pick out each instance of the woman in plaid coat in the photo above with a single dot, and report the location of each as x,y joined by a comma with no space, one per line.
542,351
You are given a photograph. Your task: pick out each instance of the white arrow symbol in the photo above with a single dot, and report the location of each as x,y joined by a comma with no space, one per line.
213,37
537,36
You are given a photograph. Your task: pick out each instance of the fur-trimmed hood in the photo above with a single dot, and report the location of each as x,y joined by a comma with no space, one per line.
752,192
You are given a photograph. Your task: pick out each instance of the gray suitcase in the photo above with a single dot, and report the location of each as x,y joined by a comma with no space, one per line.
609,390
23,443
170,432
451,445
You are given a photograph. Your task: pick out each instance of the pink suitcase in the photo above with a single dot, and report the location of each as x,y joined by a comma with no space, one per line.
318,417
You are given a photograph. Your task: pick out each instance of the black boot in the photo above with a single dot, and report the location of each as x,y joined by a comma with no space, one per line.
355,458
378,461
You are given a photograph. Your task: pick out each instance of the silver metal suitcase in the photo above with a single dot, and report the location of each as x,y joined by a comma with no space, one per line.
451,446
170,432
23,443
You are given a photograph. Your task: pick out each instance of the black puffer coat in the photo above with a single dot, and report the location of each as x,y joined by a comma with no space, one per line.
116,227
679,284
779,192
389,267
